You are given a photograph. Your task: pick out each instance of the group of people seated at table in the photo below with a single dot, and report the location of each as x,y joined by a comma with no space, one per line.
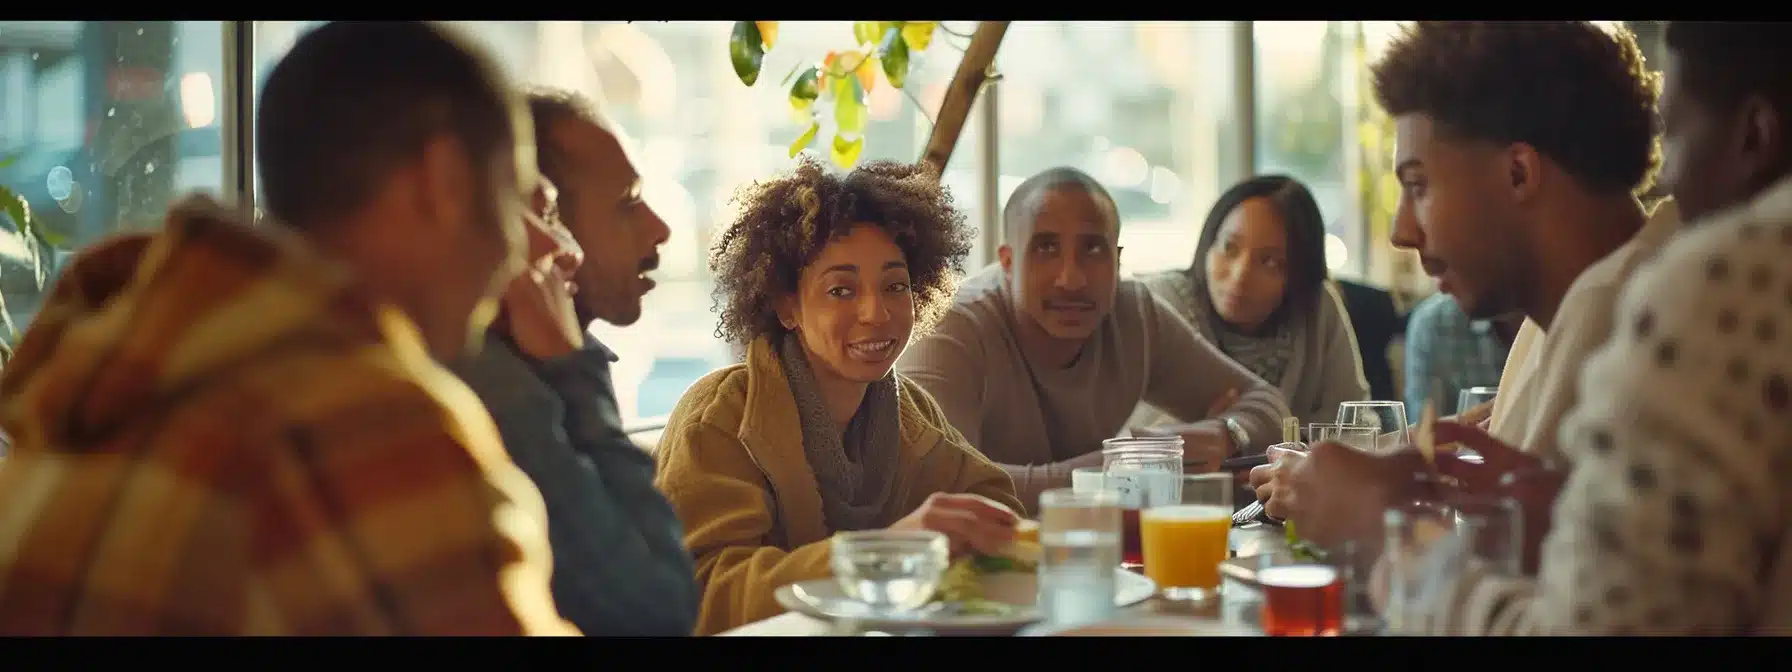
381,411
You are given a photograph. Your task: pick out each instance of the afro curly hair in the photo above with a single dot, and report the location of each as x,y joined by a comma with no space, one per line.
783,223
1575,91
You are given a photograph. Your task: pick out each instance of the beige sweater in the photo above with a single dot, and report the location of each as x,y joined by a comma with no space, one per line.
1040,422
1675,519
1537,386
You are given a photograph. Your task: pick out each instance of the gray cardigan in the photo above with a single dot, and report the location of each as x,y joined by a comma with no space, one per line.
1324,369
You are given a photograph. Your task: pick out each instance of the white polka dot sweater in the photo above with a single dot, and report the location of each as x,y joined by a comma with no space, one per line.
1674,521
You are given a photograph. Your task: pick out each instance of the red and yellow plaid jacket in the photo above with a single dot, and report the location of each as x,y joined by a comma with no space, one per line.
216,432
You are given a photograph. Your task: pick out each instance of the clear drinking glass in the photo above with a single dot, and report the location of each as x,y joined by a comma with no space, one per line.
1471,397
1144,472
1079,532
1386,418
1360,437
890,571
1184,542
1086,479
1429,543
1282,451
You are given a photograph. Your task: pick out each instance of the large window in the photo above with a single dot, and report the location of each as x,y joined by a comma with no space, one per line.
1306,86
1143,107
696,134
102,124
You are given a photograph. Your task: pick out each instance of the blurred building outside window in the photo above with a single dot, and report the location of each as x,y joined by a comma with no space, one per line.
102,125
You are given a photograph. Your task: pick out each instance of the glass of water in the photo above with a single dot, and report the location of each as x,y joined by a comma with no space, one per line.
1429,542
1079,532
1386,418
1086,479
1471,397
1360,437
890,571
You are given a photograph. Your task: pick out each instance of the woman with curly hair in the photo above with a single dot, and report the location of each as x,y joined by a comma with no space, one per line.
826,277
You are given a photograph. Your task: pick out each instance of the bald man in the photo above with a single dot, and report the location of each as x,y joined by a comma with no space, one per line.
620,566
1046,353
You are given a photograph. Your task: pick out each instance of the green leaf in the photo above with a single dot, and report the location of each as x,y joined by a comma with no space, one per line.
15,207
805,87
846,152
849,105
804,140
918,34
869,32
893,54
9,160
746,51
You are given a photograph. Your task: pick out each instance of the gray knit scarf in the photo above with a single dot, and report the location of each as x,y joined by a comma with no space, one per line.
855,472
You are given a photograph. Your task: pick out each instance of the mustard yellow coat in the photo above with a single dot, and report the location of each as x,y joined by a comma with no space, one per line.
731,461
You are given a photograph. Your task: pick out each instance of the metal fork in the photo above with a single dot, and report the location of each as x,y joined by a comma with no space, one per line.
1247,514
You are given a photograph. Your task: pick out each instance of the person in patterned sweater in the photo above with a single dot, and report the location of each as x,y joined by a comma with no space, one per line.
222,429
1673,521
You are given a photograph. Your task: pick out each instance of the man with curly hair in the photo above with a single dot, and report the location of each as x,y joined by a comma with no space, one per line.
1046,354
620,566
1519,149
1674,520
825,277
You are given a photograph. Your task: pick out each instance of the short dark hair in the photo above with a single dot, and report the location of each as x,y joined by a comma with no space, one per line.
1305,227
353,100
549,107
784,223
1722,62
1052,179
1576,92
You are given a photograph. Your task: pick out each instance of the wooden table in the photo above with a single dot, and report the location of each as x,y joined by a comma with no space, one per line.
1239,600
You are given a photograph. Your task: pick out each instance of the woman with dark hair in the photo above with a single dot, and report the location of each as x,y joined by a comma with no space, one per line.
1258,290
827,277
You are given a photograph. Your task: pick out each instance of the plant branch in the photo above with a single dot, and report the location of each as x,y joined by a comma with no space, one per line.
973,71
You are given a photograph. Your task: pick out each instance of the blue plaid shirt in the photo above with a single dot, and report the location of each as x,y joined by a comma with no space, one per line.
1443,344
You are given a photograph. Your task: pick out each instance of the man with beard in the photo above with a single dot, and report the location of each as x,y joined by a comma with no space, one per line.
234,430
1519,148
620,565
1673,521
1047,353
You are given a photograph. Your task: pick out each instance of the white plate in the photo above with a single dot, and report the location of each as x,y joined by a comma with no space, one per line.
1017,588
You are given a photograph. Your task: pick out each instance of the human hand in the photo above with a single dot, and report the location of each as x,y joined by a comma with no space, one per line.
1505,471
1337,494
1265,479
1223,403
538,308
1205,445
970,522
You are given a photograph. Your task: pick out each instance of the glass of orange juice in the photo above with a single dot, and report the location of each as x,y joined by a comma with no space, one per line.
1184,543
